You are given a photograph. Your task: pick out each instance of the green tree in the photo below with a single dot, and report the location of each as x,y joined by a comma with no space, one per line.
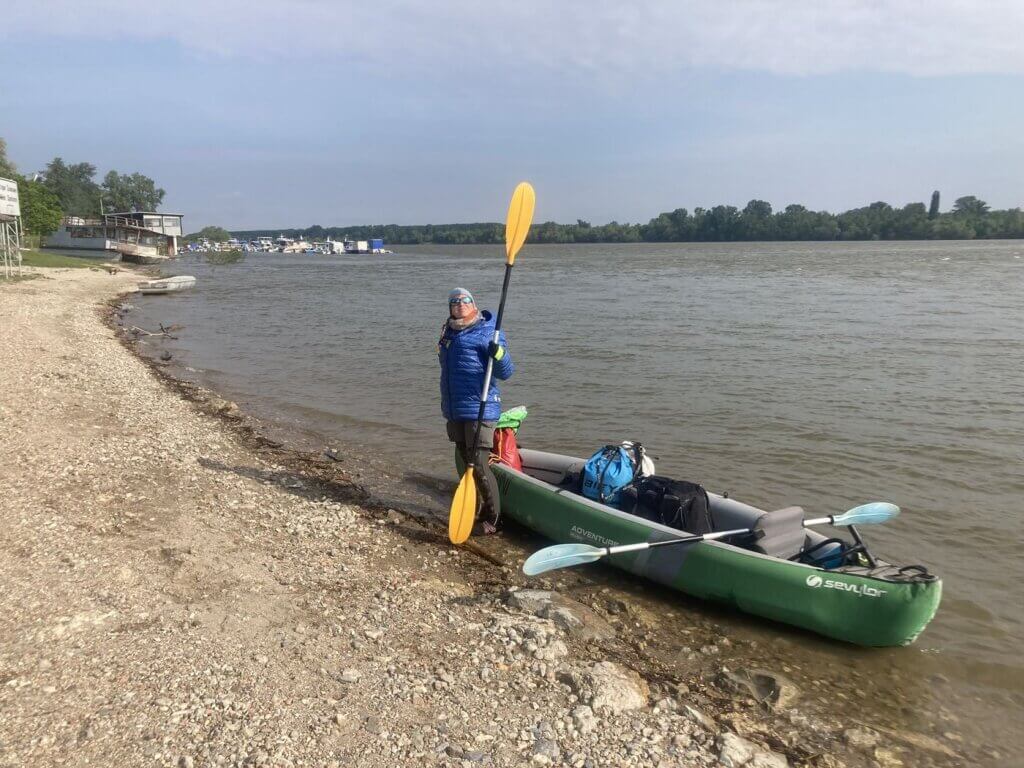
79,195
719,224
7,169
213,234
950,227
756,222
970,206
910,223
933,209
40,208
130,192
1006,223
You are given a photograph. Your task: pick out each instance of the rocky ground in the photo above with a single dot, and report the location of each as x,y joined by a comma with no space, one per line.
176,590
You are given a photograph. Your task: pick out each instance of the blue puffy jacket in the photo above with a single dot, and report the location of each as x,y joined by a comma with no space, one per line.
463,358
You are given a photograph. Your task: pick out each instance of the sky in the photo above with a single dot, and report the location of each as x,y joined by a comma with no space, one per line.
261,114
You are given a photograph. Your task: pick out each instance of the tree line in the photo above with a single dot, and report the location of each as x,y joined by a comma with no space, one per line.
71,190
969,218
63,189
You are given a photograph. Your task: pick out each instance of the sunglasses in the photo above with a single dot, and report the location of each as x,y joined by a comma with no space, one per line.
460,300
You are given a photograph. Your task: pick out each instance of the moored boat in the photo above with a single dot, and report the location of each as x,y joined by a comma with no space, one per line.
167,284
777,574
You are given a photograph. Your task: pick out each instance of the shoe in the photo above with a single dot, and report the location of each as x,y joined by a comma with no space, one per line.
483,528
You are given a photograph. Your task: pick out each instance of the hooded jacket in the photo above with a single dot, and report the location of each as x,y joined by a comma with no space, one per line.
463,358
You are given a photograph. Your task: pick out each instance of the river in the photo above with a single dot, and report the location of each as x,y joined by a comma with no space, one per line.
820,374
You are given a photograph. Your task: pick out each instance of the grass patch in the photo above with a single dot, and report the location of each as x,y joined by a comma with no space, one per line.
57,261
50,261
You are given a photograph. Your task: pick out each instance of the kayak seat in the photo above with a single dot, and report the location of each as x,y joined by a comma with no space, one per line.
780,533
572,477
562,475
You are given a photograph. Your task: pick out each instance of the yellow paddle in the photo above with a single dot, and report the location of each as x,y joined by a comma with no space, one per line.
517,226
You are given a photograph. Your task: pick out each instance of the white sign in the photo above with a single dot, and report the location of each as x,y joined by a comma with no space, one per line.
9,205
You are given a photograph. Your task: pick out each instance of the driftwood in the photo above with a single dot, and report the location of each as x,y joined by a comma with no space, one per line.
165,332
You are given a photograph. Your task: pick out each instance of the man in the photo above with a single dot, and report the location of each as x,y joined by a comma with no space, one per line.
465,345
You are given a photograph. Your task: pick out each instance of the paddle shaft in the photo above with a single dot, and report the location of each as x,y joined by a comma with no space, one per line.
568,555
490,368
831,519
685,540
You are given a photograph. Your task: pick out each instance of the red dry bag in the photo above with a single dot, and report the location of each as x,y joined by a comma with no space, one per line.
505,448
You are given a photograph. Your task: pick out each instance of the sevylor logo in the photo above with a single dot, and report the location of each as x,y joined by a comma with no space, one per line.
815,581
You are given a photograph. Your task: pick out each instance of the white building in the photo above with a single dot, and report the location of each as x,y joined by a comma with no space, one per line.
141,237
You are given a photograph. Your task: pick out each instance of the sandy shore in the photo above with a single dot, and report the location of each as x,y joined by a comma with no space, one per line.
176,591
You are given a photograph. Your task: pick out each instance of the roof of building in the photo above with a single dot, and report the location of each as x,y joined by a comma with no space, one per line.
143,213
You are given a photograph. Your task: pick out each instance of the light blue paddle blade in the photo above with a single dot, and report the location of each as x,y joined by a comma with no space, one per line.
561,556
867,514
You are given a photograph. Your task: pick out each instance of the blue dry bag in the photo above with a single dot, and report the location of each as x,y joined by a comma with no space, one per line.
606,473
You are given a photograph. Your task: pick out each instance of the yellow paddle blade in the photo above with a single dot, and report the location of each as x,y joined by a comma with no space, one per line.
520,216
463,511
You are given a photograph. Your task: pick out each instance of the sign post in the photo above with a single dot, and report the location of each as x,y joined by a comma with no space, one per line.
10,226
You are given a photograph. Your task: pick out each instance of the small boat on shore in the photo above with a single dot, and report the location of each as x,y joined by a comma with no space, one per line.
785,572
167,284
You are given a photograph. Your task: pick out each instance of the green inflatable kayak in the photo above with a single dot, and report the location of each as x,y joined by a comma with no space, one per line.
859,600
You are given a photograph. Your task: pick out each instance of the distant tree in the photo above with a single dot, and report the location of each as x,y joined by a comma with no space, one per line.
7,169
794,222
910,223
970,206
878,221
756,222
79,195
130,192
658,230
213,234
758,209
40,208
951,228
933,209
719,224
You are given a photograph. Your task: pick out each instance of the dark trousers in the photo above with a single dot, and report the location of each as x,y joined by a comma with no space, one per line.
461,433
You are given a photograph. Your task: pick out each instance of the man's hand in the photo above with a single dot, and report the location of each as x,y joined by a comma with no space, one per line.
495,350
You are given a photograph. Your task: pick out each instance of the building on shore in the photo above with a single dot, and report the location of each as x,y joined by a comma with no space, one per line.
142,237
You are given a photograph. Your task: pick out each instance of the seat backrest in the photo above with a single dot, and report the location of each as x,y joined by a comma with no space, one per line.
780,533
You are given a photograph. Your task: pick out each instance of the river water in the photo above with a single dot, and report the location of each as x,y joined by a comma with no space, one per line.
820,374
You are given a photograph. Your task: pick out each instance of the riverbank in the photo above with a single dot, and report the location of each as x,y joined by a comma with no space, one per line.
180,590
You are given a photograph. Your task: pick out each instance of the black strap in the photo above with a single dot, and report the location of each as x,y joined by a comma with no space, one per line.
917,573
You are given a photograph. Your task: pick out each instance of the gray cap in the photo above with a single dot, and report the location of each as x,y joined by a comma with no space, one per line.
456,292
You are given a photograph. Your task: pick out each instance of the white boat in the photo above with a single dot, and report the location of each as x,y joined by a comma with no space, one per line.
167,284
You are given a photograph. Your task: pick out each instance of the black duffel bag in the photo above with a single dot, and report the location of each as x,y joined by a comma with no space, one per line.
675,503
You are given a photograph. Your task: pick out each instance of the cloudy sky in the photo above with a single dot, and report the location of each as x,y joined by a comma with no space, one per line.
296,112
